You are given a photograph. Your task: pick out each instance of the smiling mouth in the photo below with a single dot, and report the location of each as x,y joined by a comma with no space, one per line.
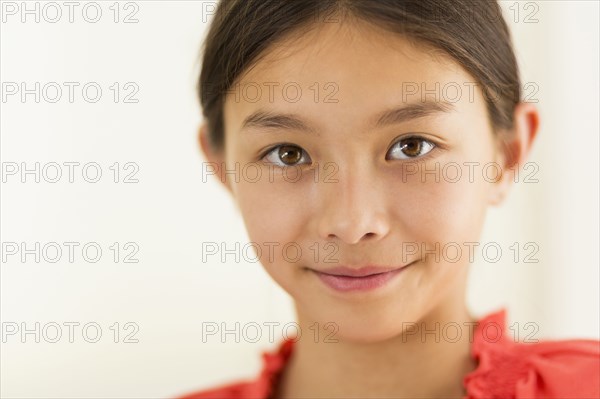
366,278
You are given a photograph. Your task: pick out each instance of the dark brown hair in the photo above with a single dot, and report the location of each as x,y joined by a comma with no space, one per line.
472,32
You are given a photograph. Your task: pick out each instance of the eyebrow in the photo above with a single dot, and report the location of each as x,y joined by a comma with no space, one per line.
264,119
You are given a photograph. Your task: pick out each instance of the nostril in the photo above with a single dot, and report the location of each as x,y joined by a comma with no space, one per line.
367,235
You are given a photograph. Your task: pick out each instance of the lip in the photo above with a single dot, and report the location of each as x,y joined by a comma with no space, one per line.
345,279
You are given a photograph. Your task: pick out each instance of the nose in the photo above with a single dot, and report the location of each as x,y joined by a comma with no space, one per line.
353,207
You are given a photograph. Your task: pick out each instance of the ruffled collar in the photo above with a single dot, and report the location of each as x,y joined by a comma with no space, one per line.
492,349
489,348
273,365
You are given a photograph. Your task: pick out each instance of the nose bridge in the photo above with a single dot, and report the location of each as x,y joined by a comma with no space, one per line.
353,208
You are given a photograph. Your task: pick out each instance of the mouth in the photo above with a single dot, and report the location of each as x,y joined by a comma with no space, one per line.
366,278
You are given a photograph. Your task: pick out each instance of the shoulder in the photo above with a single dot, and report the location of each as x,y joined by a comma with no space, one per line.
545,369
259,388
239,390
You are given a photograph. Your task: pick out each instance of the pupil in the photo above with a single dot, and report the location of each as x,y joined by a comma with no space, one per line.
413,147
285,153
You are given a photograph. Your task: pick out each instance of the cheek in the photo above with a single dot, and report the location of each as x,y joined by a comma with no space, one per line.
439,213
274,218
269,213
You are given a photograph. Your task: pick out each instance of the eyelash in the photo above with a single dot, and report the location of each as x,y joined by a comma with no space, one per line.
413,136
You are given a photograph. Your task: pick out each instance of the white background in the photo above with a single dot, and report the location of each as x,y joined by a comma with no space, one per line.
170,212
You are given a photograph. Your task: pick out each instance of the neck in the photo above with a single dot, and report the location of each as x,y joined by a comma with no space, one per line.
424,364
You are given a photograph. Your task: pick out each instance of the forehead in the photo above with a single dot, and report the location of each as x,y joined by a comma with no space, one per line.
361,67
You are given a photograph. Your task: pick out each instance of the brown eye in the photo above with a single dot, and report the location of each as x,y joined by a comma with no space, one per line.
411,147
285,155
289,154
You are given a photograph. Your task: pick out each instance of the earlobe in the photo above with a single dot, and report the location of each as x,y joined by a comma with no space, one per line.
515,148
526,124
203,141
213,157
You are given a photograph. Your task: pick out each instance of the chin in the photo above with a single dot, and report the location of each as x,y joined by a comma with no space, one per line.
364,334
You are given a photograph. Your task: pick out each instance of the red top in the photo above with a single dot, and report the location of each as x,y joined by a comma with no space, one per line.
506,369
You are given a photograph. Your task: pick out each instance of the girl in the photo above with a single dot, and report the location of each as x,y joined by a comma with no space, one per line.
368,124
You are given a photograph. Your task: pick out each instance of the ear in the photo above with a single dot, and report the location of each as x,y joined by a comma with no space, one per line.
213,156
514,147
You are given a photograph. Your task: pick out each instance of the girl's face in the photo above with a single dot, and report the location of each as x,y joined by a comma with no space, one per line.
363,186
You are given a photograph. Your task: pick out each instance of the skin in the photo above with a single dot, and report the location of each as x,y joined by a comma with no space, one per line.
371,209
